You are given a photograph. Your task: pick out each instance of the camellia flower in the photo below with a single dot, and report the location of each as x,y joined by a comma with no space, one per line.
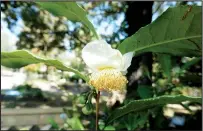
107,64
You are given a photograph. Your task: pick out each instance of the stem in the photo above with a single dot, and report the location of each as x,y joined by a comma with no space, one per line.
97,110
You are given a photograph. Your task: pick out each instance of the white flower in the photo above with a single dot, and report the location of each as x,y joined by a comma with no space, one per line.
108,65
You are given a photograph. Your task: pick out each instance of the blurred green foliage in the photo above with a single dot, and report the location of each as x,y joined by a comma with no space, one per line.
29,92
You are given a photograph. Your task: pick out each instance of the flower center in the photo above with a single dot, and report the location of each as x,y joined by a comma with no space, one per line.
108,79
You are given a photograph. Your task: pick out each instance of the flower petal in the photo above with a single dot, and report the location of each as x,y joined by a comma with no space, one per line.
127,58
98,55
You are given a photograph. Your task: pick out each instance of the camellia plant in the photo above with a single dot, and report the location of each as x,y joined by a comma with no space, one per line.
107,65
176,32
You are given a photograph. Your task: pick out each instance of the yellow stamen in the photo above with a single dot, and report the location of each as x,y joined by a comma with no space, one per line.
108,79
106,67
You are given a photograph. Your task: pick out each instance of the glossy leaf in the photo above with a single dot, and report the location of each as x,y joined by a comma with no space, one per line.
71,10
144,104
177,31
21,58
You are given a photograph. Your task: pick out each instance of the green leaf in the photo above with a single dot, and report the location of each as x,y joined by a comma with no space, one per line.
140,105
21,58
134,121
170,33
87,110
75,123
165,62
82,98
54,125
71,10
110,128
145,91
101,127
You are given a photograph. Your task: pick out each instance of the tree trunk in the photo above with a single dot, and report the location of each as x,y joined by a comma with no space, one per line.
138,14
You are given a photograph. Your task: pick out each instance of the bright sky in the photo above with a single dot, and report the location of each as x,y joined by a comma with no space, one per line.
8,38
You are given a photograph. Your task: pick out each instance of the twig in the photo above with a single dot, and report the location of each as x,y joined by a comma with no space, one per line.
97,110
